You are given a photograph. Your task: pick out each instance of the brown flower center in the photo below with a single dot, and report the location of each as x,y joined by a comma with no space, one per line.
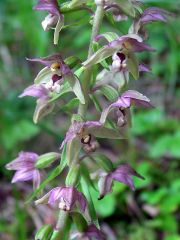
55,66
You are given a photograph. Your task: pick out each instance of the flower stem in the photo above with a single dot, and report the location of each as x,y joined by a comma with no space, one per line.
88,72
63,216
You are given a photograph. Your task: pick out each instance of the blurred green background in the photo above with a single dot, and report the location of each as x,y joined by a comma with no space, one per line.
153,211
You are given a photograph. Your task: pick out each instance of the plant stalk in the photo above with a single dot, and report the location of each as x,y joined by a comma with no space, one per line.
88,72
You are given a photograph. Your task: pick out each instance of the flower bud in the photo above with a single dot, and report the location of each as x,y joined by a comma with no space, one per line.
44,232
45,160
72,178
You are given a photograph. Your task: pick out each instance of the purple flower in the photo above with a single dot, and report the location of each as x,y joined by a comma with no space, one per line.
25,168
151,14
66,198
122,173
37,91
54,18
55,73
82,131
124,102
91,232
154,14
126,44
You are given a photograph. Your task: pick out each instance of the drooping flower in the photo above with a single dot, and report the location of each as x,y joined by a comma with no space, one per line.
65,198
91,232
53,19
25,168
149,15
55,73
49,82
122,173
123,50
124,102
86,131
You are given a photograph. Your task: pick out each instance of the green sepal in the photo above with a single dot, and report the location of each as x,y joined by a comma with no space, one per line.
46,159
44,233
75,86
133,65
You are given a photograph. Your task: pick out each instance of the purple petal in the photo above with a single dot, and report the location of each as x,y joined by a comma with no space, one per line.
48,5
82,200
124,174
154,14
121,102
138,97
23,175
25,160
36,179
37,91
55,195
48,61
143,68
130,43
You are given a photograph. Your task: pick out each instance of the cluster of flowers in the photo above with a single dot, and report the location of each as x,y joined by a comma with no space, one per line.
57,78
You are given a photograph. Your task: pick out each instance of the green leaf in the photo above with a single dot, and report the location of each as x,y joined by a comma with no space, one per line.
44,232
86,190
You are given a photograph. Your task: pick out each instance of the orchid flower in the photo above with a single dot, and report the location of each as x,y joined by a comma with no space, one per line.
25,168
122,173
85,131
65,198
124,102
49,81
54,18
150,15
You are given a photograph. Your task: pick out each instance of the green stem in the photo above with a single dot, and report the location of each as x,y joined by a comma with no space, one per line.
88,72
63,216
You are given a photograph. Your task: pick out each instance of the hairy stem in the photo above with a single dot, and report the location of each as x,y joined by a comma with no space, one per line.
88,72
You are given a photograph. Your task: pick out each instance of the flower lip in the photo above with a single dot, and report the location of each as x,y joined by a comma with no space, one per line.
121,56
56,78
